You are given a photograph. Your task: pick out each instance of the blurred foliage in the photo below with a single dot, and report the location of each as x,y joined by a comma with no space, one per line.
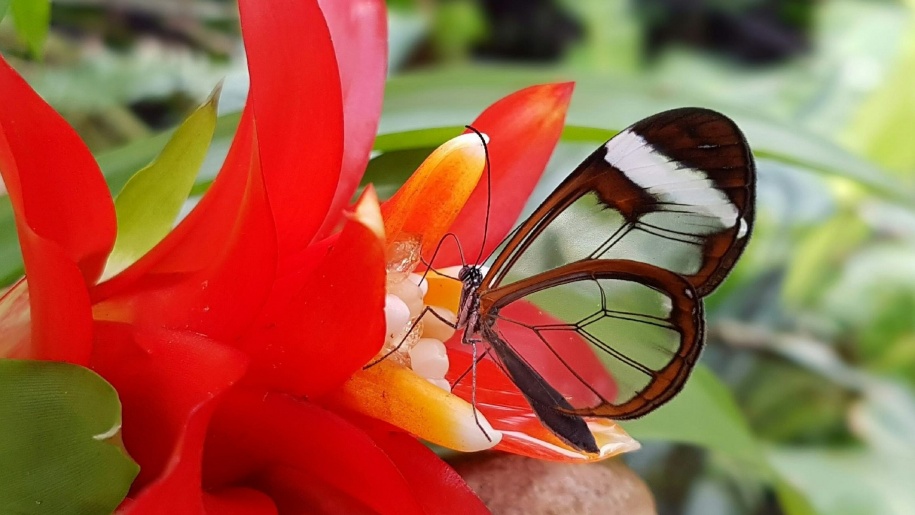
804,403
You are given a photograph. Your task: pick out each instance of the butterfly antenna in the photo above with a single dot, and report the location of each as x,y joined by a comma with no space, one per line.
488,172
435,253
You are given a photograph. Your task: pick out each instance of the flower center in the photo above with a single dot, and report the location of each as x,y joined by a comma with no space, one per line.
415,332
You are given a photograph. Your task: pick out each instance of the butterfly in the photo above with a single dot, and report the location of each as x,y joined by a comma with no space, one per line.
622,252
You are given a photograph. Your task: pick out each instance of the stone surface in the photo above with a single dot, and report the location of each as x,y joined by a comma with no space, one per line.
510,484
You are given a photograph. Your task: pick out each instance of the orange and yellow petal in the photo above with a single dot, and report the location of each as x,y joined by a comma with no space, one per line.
428,203
393,393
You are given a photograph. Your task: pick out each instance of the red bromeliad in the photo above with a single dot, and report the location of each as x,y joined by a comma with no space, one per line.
237,343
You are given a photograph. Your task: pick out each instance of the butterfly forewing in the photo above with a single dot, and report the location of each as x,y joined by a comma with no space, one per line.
627,336
674,190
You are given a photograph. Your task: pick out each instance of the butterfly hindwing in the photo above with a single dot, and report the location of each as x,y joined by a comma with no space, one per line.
627,337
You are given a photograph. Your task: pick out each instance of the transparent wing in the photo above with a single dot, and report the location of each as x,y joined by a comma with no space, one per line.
640,324
675,190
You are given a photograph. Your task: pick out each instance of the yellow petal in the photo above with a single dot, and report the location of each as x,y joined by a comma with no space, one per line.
444,291
427,204
390,392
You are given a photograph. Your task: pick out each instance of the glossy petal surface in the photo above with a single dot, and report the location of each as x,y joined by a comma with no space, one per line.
298,112
326,331
257,437
359,30
168,382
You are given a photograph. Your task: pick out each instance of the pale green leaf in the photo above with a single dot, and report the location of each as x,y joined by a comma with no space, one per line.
151,200
882,127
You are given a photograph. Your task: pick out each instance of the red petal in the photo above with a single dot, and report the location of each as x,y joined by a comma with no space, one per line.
298,112
59,309
193,244
54,184
279,103
298,492
438,488
360,33
65,220
219,301
239,501
168,382
523,128
254,437
331,326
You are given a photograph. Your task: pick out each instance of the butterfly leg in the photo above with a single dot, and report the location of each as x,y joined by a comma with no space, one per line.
473,388
472,338
426,310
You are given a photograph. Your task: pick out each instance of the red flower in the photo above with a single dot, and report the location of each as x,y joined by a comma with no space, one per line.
237,343
216,337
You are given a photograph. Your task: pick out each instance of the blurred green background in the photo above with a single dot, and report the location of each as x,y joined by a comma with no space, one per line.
805,402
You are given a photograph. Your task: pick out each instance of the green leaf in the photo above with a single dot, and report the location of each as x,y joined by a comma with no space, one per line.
32,19
817,261
881,128
850,481
151,200
60,440
703,414
4,7
792,501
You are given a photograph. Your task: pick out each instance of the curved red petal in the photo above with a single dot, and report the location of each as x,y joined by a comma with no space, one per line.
219,301
523,128
192,246
254,437
331,326
54,184
438,488
298,112
168,383
360,34
48,317
61,316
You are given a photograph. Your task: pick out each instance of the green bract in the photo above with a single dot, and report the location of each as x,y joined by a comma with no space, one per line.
151,200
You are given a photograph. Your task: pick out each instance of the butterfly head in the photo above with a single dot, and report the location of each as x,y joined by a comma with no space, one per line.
471,276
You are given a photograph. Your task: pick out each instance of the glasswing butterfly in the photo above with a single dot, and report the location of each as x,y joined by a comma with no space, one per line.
622,252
